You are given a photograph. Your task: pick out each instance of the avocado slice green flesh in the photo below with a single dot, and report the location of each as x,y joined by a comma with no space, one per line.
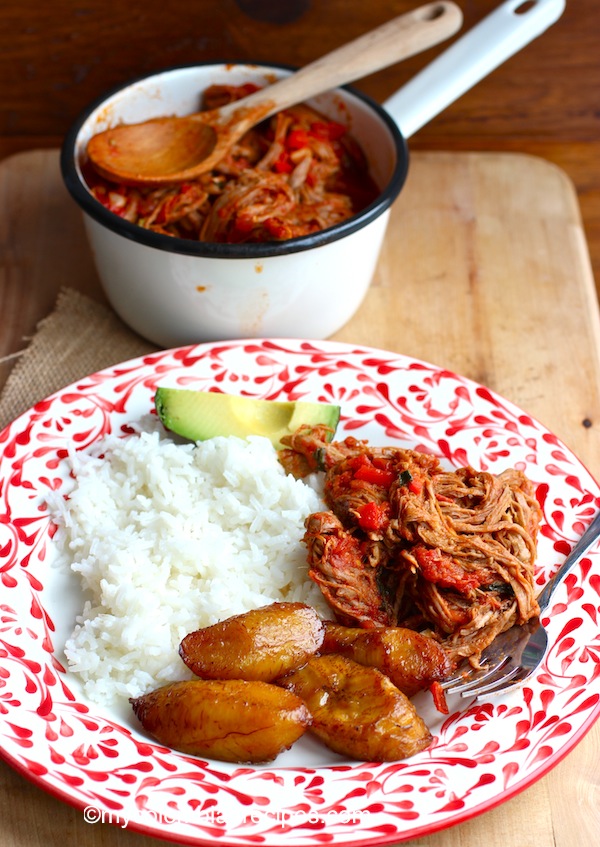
199,415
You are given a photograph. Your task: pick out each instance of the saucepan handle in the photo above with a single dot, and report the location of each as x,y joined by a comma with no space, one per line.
483,48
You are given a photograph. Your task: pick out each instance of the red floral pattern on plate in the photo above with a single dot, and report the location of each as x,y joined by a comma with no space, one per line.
483,752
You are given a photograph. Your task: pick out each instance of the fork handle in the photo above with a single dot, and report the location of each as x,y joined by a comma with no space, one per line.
584,543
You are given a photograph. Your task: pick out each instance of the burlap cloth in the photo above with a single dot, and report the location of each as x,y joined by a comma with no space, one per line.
78,338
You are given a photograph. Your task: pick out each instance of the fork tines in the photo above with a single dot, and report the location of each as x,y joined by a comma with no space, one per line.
485,681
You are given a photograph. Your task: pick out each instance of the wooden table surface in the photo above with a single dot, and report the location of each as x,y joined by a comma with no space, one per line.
510,291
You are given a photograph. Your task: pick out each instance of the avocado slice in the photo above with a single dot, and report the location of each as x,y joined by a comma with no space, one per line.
199,415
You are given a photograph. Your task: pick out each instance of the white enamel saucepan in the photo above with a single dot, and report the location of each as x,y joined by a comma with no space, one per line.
175,291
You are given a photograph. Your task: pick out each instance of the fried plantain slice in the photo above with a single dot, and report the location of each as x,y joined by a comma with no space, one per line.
230,720
356,710
261,644
411,660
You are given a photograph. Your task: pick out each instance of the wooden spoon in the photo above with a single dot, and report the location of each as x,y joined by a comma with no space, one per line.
173,149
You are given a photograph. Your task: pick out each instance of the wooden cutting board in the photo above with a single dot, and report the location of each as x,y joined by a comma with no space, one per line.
484,271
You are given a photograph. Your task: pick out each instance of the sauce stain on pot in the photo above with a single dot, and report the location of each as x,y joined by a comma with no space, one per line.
252,320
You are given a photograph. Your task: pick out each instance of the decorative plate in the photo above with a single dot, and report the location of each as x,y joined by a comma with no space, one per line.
483,752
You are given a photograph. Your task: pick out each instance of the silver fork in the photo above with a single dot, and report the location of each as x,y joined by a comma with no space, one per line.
514,655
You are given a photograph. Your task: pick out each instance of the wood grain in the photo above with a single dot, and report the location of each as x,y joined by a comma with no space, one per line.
485,271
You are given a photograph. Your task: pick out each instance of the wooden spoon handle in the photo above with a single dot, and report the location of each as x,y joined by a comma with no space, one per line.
393,41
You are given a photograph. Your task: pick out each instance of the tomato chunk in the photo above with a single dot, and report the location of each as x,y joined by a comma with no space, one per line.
442,570
283,165
376,476
415,486
372,517
297,139
439,697
364,469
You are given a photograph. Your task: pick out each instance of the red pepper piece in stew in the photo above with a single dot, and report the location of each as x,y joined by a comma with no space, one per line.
373,517
440,569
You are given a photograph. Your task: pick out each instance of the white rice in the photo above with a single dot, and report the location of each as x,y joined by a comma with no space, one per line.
167,538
